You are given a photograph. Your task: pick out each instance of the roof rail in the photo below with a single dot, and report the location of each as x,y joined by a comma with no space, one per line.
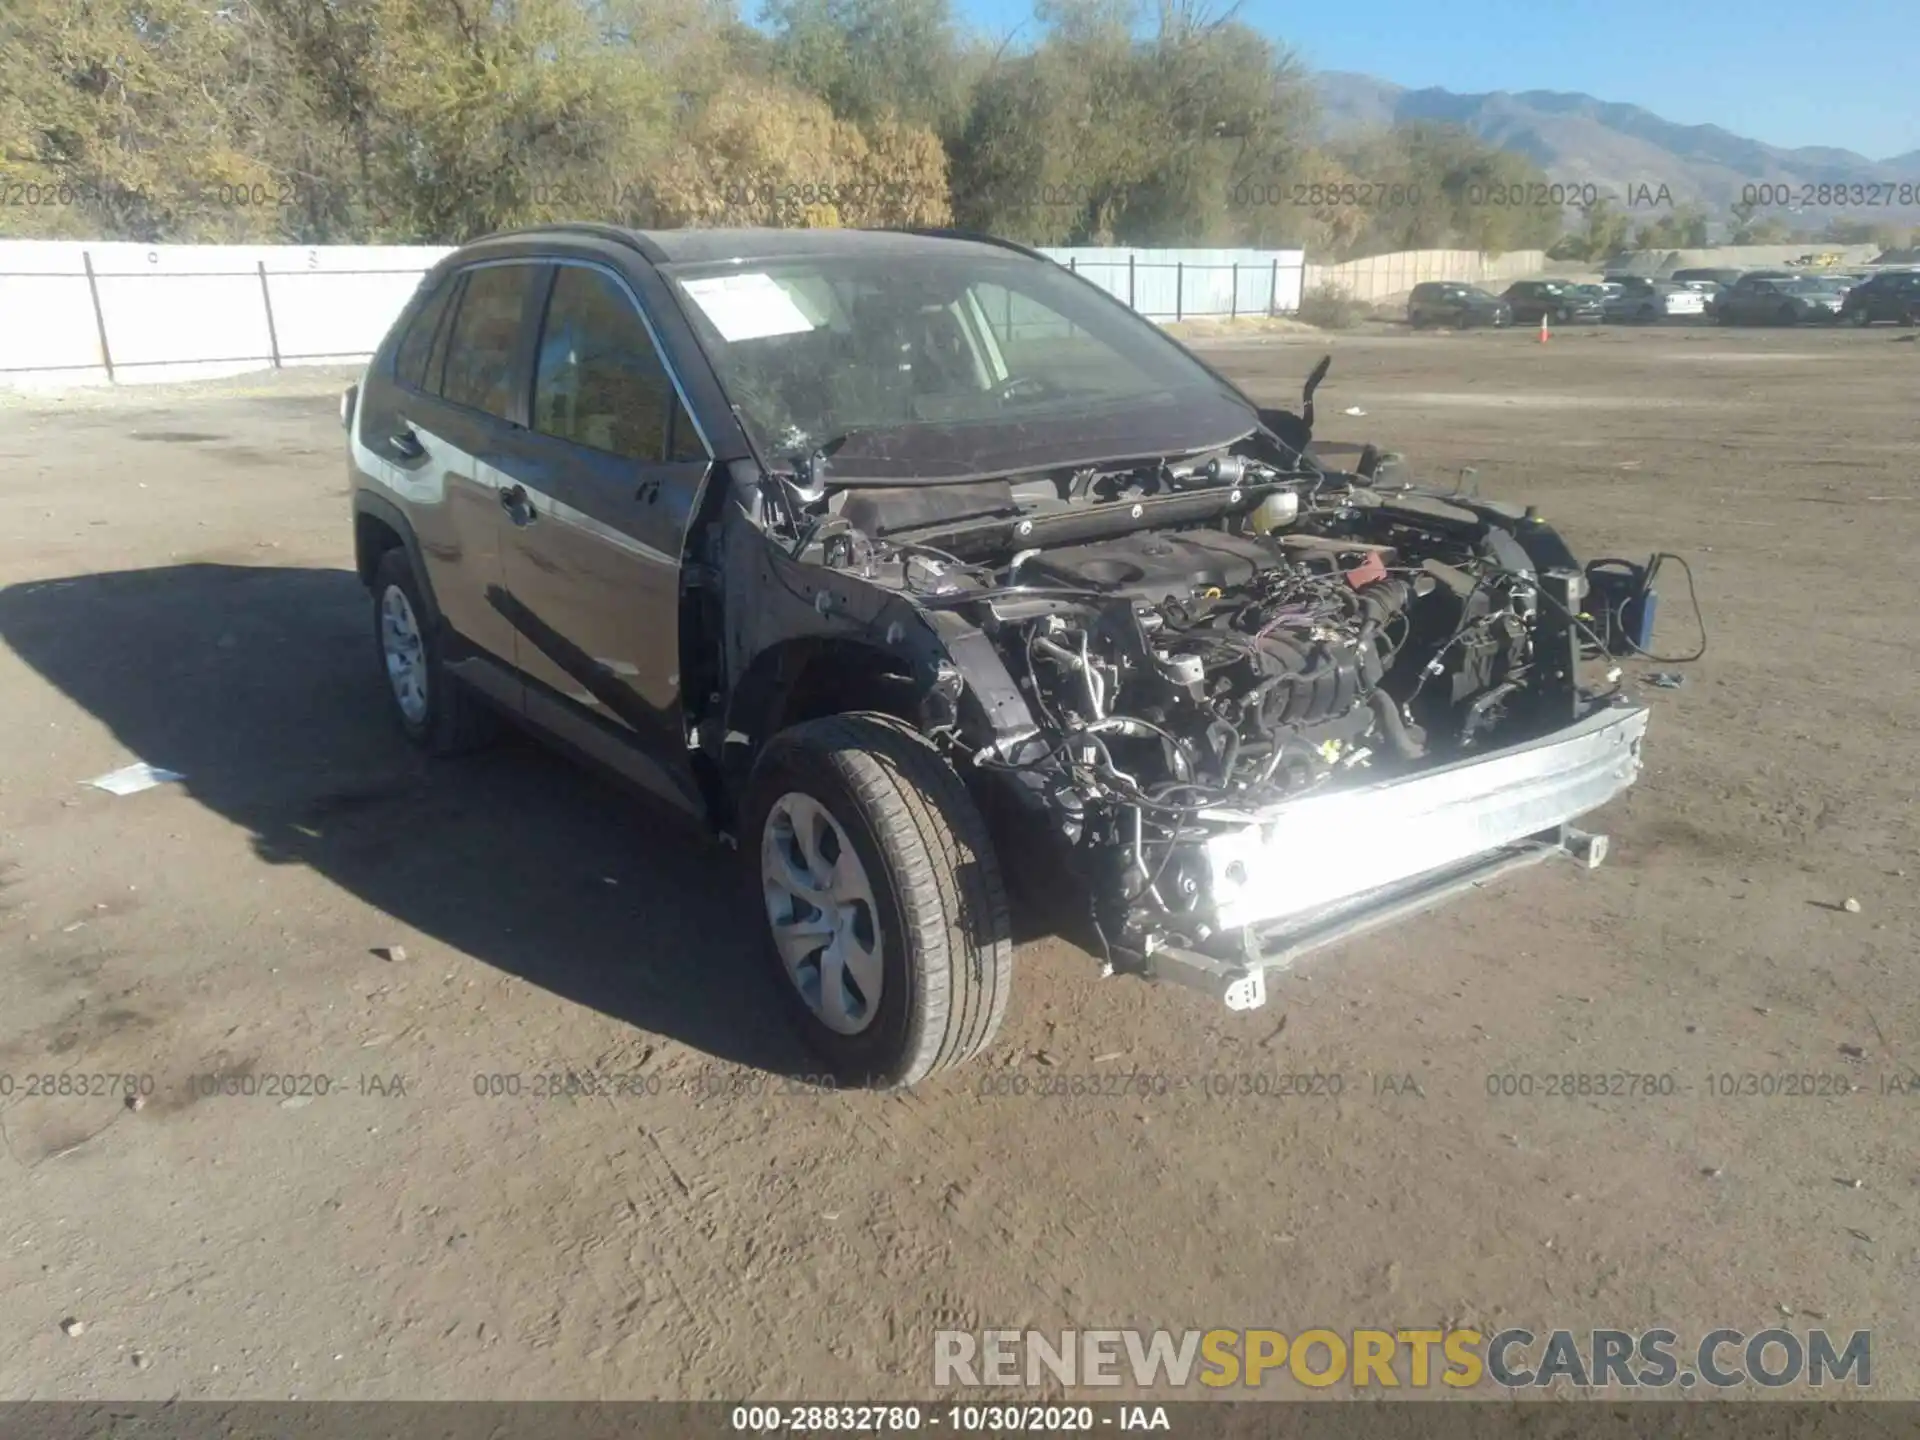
979,237
618,234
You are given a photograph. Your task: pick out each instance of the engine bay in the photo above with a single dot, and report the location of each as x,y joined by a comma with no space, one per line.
1181,645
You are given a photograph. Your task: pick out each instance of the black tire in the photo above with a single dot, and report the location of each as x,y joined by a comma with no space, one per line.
456,720
1910,318
943,921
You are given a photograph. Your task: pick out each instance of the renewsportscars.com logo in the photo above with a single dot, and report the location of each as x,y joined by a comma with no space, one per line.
1395,1359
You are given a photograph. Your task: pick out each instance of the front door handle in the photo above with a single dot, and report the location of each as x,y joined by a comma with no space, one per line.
518,505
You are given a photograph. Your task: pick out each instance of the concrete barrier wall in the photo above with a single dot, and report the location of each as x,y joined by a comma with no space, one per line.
1378,276
1735,257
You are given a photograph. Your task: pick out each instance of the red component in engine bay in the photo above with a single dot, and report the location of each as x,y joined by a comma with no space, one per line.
1368,571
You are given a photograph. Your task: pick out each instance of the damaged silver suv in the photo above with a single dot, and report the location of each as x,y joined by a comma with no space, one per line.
909,563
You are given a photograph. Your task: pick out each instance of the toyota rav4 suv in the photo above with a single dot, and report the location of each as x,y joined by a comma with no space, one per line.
912,563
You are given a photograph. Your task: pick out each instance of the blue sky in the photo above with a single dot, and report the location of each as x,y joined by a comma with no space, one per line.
1789,72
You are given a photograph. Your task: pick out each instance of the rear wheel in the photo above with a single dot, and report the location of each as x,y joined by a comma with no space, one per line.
435,711
887,922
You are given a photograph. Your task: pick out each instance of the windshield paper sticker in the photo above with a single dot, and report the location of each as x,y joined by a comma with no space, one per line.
748,307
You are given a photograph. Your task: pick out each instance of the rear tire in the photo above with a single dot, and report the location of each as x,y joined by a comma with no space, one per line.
434,710
923,890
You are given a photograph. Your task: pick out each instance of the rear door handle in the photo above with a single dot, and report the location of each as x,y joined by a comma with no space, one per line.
518,505
406,443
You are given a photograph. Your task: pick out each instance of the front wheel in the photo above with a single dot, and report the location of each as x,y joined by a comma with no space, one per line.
887,922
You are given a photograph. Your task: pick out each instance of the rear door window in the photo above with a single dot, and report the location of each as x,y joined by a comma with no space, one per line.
485,337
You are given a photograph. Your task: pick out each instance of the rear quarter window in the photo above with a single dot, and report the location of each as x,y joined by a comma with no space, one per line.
416,346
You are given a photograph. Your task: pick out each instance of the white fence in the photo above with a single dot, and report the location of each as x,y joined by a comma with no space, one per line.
1193,284
1379,276
79,312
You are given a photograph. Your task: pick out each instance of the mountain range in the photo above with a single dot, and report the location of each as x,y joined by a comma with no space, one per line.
1618,149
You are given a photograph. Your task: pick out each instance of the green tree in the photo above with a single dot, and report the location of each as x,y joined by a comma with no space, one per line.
118,118
1679,229
1601,233
873,59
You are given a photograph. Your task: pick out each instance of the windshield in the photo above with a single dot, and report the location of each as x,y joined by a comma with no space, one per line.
928,347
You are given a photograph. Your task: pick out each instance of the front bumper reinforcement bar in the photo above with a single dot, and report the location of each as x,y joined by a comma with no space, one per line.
1325,868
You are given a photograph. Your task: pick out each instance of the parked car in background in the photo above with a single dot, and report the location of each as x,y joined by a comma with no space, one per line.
1558,301
1636,298
1785,300
1449,302
1717,275
1891,295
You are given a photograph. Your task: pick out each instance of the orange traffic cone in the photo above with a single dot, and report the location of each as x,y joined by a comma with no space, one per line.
1545,333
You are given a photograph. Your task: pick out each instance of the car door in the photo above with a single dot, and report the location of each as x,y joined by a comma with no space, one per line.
600,488
432,431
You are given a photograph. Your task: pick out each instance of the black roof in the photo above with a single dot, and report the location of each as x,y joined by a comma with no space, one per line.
698,246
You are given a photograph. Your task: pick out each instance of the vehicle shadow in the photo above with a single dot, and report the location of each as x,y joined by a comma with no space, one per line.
260,686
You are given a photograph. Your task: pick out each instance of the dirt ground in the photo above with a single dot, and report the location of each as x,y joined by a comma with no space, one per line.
177,590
